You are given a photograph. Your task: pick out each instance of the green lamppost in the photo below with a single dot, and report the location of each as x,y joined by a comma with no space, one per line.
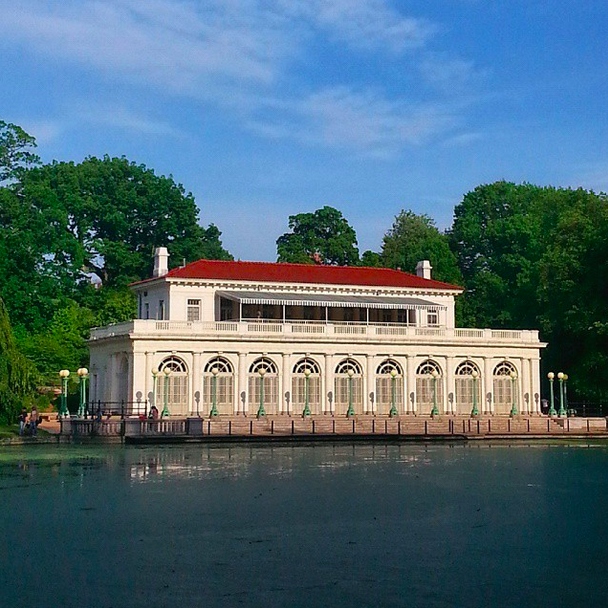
261,410
566,393
213,413
435,375
393,411
552,410
165,411
513,377
475,410
155,373
351,411
306,411
83,375
562,410
63,408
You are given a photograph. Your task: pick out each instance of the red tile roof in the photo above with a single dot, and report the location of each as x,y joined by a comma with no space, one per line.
303,273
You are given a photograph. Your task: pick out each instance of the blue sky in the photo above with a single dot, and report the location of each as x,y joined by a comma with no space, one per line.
265,108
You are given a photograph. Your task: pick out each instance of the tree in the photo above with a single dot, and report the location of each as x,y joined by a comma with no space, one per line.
69,223
537,257
15,151
415,237
17,375
108,215
324,237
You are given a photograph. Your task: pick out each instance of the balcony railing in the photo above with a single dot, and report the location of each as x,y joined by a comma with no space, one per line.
347,331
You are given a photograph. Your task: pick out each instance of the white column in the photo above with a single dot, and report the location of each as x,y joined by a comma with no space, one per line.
242,382
148,376
535,384
525,393
452,407
110,379
286,385
329,385
197,385
369,401
488,385
412,362
137,373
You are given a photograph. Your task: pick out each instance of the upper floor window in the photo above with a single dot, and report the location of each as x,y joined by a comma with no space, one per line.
161,310
432,318
406,316
194,310
147,310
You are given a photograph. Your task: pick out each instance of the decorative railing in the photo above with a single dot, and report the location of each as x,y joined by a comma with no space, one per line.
339,331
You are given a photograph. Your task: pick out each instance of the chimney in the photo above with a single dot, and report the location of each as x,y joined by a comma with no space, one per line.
423,269
161,262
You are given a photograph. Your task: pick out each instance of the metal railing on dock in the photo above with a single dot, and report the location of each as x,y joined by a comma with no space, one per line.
327,426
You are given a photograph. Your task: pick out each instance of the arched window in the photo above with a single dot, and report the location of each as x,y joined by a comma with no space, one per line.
348,387
173,388
263,372
306,378
219,371
429,387
468,382
505,380
389,386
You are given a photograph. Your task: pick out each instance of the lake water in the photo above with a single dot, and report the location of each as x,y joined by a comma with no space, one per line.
346,524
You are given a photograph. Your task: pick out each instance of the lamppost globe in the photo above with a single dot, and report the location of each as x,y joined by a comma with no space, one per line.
393,373
262,372
215,371
565,376
155,372
351,373
64,373
167,371
550,375
83,371
475,374
560,375
435,373
307,372
512,375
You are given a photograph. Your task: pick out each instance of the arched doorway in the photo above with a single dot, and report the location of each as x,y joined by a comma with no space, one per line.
468,383
505,388
173,386
429,387
306,380
389,387
263,373
218,372
348,387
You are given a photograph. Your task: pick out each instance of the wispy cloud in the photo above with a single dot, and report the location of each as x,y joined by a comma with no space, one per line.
237,55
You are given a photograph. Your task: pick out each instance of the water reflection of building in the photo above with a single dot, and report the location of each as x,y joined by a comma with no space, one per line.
329,336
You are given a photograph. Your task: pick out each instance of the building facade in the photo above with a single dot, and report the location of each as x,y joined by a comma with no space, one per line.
240,335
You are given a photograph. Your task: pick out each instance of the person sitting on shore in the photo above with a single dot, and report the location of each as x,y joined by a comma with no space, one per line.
34,419
22,421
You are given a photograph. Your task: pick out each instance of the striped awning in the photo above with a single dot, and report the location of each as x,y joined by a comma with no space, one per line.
261,297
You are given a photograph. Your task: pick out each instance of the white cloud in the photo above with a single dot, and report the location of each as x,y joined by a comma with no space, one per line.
123,118
45,131
344,118
238,55
363,23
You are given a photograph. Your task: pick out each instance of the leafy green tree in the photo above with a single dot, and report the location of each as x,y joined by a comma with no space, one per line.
324,237
415,237
107,216
537,257
68,223
17,375
371,259
16,151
